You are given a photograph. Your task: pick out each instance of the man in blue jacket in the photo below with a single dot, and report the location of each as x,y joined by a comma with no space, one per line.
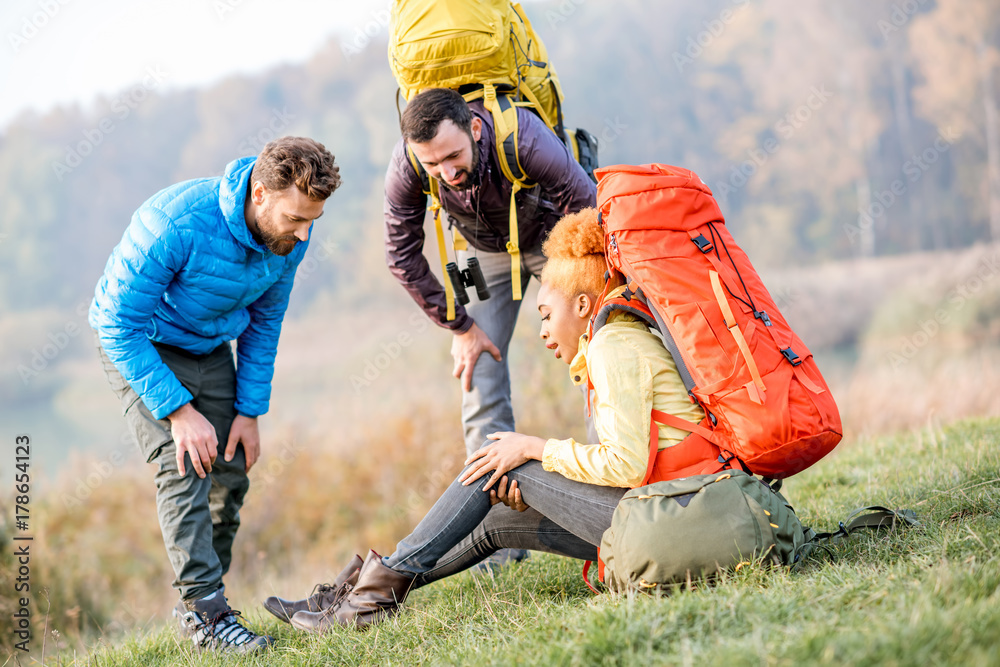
203,263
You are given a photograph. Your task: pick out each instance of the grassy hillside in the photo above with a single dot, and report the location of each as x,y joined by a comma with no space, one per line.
928,595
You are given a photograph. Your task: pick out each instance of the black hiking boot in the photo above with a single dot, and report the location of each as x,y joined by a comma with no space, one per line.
213,626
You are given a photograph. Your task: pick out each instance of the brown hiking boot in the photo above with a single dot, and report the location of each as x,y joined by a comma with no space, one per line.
377,595
323,595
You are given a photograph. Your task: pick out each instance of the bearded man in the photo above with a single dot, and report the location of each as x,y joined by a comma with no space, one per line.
455,143
203,263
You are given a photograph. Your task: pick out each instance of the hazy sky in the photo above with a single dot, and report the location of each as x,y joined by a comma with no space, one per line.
59,51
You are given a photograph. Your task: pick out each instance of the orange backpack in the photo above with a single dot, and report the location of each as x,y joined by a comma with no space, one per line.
767,406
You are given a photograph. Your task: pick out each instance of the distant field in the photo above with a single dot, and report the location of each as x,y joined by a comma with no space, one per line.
926,596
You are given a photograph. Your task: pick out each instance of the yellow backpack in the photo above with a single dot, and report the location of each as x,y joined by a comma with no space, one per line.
485,49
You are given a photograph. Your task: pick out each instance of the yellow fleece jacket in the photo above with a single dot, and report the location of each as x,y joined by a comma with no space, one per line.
632,373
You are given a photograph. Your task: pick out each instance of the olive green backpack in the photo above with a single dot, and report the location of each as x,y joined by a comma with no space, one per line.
677,531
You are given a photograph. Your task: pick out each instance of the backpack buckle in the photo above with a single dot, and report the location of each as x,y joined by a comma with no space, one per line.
763,317
703,244
790,355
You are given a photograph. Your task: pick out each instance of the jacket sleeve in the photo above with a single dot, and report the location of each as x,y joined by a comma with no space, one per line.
548,161
151,253
405,209
623,384
257,346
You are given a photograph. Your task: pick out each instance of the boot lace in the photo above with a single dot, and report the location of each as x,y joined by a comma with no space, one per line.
225,629
330,595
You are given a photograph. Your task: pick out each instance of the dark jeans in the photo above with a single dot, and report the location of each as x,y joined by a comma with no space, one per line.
198,517
566,518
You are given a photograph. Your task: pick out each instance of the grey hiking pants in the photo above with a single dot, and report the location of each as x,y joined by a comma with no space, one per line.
198,517
487,408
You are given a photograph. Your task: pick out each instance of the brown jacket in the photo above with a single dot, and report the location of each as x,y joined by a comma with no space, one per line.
563,187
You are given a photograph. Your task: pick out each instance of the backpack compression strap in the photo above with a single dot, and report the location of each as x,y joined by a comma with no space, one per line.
873,517
757,396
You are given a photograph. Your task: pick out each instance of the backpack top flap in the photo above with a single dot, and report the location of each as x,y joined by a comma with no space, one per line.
448,43
654,196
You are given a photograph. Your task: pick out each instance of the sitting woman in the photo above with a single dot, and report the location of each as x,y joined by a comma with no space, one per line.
572,488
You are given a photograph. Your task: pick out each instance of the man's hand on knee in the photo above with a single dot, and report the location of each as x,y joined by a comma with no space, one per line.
244,429
194,435
465,350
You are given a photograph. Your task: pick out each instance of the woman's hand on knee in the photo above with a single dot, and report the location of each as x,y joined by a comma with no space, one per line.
511,497
509,451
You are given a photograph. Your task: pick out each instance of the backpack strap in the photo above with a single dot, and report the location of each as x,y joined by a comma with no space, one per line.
873,517
586,573
449,289
429,186
741,341
505,130
637,304
418,169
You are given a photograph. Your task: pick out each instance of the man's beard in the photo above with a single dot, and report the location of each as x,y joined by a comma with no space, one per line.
469,174
268,237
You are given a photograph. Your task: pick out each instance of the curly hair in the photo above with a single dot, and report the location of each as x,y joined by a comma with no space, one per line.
575,248
298,161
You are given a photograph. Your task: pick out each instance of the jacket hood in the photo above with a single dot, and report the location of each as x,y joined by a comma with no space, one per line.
232,197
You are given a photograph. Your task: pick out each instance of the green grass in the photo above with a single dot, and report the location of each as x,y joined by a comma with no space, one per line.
924,596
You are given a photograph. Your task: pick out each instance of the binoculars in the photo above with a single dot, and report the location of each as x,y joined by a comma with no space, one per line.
467,278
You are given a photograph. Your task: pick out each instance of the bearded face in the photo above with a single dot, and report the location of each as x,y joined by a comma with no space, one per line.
279,219
465,176
270,236
452,156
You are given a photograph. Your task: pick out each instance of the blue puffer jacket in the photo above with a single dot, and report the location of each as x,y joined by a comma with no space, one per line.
188,273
